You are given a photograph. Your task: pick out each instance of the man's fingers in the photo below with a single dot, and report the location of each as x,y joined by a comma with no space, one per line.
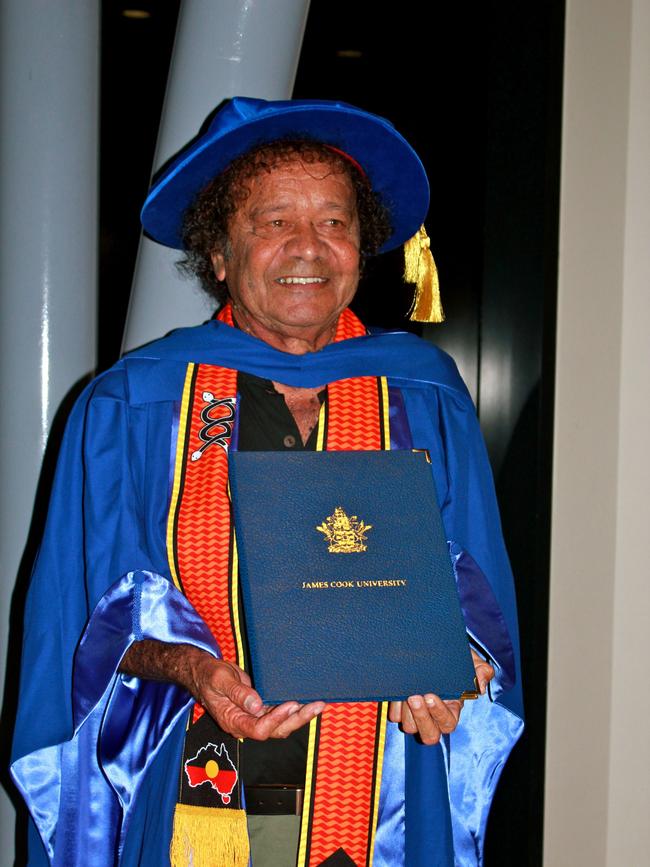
242,724
484,674
427,727
445,714
426,715
301,717
263,727
399,712
409,724
395,711
278,722
455,706
483,670
234,684
430,716
244,697
226,693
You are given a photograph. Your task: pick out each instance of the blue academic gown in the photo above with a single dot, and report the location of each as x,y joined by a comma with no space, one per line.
96,754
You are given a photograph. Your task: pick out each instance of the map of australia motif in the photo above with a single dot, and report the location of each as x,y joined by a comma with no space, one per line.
212,765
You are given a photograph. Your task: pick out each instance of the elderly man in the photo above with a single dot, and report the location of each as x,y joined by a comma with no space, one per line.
134,614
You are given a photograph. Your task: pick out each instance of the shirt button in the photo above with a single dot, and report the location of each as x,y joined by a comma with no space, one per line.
289,441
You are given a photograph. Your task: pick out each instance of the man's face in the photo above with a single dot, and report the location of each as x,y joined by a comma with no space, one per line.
293,263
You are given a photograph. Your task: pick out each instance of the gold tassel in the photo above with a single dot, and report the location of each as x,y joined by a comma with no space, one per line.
207,837
419,268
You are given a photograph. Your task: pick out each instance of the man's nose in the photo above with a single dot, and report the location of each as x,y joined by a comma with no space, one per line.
305,241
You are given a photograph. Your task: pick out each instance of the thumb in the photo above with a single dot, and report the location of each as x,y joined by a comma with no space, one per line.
234,684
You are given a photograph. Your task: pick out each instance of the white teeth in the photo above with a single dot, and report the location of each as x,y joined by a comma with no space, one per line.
301,280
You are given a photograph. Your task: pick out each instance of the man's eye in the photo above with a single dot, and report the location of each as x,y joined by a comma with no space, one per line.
333,221
266,228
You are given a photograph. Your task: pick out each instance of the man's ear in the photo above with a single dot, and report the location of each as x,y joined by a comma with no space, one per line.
219,265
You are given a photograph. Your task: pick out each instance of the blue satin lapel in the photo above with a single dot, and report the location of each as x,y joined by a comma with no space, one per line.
483,617
400,432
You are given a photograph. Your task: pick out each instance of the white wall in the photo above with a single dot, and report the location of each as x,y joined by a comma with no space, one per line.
597,796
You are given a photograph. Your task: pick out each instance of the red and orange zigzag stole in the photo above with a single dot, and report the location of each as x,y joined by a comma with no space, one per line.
347,742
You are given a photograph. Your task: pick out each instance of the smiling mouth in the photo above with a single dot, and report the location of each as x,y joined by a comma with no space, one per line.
301,281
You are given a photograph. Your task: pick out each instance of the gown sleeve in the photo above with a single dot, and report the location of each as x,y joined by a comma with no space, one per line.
85,734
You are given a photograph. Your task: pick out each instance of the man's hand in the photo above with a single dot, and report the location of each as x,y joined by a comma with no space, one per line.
428,715
225,692
222,688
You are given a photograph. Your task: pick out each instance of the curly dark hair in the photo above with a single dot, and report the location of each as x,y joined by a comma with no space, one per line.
206,221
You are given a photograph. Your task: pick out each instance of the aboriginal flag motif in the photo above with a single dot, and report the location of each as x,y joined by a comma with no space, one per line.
209,775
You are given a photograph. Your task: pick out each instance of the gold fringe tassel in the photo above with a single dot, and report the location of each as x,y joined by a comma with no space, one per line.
419,268
207,837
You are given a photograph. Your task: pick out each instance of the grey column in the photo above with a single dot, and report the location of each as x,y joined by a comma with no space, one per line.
225,49
49,53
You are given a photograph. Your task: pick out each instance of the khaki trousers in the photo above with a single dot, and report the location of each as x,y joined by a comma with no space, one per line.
274,840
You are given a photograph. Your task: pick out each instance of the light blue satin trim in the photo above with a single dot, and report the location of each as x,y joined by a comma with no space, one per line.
389,838
88,807
80,792
38,778
475,754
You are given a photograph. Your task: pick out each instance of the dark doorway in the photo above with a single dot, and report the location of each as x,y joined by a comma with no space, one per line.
477,90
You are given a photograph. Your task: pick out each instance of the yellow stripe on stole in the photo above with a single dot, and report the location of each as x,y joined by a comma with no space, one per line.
385,411
179,464
383,709
234,601
309,778
381,742
320,436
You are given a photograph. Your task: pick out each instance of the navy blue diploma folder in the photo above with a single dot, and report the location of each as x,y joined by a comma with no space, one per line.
349,593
